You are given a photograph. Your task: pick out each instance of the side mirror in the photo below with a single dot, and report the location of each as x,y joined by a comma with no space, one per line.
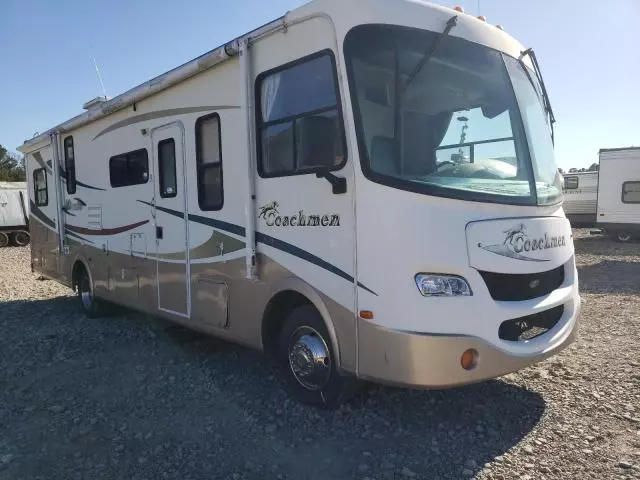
338,184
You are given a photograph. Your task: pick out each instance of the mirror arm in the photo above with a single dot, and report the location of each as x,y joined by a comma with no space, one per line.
338,184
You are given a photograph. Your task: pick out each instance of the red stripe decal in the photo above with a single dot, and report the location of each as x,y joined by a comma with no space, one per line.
105,231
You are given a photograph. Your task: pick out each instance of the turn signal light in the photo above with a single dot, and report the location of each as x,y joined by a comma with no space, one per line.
366,314
458,8
469,359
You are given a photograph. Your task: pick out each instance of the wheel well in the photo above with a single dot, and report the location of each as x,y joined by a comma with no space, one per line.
276,313
78,267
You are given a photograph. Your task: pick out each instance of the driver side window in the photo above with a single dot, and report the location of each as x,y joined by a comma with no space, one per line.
300,128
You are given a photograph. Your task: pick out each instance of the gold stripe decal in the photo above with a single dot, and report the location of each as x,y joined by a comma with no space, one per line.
161,114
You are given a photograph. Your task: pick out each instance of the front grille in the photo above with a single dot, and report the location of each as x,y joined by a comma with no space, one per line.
517,287
531,326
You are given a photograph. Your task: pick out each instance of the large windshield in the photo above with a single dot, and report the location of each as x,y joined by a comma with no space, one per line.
469,123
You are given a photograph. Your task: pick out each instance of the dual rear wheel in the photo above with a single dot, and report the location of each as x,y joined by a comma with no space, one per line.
19,238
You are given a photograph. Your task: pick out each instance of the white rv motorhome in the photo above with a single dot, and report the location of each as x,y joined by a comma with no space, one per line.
580,191
364,189
14,214
619,192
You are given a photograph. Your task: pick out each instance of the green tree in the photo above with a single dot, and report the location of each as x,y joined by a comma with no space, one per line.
11,166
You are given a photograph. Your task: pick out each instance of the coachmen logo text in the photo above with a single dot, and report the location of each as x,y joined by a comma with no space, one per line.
271,216
517,244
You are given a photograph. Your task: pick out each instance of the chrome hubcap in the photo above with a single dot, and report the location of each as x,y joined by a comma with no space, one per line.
309,358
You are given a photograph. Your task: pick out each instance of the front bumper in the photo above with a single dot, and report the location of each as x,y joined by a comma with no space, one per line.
433,361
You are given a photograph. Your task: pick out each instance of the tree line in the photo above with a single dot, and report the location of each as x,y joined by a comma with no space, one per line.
593,168
11,166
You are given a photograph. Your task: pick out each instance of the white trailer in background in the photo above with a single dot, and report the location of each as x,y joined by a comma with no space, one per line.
14,214
365,189
581,198
619,192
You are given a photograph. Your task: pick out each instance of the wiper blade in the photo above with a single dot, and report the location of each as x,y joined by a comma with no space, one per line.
452,22
545,96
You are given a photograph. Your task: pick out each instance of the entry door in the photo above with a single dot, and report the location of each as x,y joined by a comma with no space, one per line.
171,219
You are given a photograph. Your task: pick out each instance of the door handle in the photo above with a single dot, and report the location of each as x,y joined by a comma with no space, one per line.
159,233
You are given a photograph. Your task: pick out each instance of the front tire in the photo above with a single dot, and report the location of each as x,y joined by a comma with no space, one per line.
308,361
90,306
4,239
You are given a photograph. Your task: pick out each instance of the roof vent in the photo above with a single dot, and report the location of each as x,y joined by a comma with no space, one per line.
94,101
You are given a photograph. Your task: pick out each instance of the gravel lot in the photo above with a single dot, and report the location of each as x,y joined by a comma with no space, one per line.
133,397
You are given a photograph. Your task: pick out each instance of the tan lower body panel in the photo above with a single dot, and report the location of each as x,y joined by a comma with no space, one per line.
223,302
433,361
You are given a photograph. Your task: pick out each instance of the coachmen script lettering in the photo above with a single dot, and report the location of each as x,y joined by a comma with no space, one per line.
516,242
271,216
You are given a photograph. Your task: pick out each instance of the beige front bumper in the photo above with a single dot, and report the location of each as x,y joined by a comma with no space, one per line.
433,361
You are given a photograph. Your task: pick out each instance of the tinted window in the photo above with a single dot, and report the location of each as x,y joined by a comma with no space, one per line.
631,192
167,168
70,165
571,183
299,120
209,162
129,168
40,187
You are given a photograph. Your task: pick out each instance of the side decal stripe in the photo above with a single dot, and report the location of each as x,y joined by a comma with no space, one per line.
36,212
105,231
266,240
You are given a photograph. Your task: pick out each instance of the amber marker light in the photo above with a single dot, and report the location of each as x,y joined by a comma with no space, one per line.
366,314
469,359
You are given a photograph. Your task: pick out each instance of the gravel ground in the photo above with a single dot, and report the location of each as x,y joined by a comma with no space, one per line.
134,397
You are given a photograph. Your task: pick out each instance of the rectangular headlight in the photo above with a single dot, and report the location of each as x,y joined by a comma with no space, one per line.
435,285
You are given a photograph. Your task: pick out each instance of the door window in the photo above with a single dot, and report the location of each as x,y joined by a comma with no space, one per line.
167,168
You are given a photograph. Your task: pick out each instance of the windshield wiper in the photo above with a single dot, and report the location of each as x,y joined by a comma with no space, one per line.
452,22
545,96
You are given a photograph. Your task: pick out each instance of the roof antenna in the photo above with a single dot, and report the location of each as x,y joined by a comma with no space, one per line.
479,12
95,64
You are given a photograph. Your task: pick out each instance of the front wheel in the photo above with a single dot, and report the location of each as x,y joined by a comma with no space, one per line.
90,306
4,239
308,361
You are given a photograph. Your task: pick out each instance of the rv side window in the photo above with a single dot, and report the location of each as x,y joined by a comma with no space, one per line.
631,192
167,168
300,128
570,183
129,168
209,162
40,187
70,165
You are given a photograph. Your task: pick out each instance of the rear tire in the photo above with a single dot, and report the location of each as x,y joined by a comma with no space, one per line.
90,306
308,361
20,238
4,239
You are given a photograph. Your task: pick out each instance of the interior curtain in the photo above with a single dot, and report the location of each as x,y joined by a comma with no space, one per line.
270,88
